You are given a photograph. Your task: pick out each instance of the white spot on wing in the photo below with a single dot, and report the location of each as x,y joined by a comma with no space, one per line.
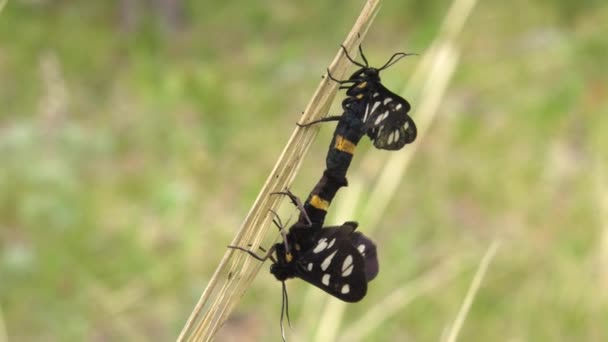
396,135
391,137
381,117
331,243
398,107
325,264
361,248
325,279
376,105
345,289
366,112
321,245
309,266
347,266
376,94
387,100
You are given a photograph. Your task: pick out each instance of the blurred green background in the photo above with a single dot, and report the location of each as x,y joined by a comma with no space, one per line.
135,135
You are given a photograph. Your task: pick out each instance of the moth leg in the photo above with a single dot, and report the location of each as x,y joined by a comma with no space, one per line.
331,77
264,251
277,221
267,256
325,119
297,202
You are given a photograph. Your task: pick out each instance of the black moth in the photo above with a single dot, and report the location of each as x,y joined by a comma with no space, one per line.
336,259
384,114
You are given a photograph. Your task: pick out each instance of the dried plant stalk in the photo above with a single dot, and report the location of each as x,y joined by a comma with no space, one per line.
237,270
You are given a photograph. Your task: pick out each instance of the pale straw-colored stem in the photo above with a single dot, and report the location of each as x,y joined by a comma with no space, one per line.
468,299
237,270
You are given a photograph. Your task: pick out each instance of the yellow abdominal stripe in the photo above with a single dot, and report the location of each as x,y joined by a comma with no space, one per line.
344,145
319,203
288,257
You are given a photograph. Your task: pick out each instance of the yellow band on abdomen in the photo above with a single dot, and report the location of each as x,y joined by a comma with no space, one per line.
319,203
344,145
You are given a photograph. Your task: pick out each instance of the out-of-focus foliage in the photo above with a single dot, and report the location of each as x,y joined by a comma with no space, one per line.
132,146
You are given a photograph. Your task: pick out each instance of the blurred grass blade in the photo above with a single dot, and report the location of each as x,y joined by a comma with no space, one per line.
402,296
602,203
237,270
468,300
3,333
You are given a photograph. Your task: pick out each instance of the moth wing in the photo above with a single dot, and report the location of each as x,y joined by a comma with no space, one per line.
367,249
387,122
335,265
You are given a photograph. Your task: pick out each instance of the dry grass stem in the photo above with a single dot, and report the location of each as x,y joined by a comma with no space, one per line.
237,270
468,300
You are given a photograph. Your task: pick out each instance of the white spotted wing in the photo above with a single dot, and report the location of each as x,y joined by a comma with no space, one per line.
336,265
386,120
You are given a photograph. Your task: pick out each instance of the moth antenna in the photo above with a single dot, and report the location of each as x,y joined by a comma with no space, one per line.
398,56
351,59
363,55
284,306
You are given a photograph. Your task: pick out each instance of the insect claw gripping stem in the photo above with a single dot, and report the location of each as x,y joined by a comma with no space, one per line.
267,256
277,220
296,201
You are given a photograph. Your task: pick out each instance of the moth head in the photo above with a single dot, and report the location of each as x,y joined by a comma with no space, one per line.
367,74
281,271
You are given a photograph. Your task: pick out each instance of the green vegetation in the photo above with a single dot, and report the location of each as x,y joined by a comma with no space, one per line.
128,159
